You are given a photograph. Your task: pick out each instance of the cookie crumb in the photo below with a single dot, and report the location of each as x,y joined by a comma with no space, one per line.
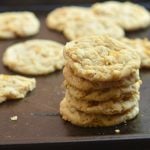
117,130
14,118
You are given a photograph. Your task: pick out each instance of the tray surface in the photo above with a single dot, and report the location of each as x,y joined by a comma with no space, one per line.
38,113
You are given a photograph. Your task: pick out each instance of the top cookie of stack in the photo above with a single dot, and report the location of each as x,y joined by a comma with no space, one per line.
101,58
102,82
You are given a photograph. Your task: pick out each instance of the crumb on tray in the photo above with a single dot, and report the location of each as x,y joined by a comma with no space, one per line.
14,118
117,131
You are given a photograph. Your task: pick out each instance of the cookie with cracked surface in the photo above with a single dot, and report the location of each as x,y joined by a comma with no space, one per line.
87,27
82,119
34,57
101,58
58,18
86,85
111,107
103,94
126,14
15,87
18,24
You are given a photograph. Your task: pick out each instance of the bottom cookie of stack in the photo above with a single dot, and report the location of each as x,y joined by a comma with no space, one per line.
83,119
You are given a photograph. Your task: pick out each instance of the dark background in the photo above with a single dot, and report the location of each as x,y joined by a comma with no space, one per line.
50,4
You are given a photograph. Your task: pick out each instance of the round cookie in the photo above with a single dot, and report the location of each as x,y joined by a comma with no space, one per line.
18,24
34,57
142,46
111,107
58,18
15,87
85,85
93,120
103,94
101,58
128,15
87,27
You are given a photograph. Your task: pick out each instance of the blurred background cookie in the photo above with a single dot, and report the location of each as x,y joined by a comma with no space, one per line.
58,18
142,47
128,15
34,57
91,26
18,24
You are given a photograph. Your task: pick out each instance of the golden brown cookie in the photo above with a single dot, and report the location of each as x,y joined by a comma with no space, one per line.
92,26
34,57
80,118
18,24
15,87
101,58
58,18
111,107
103,94
142,46
128,15
86,85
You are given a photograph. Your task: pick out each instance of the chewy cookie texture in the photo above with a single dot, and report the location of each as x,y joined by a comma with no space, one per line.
18,24
34,57
15,87
100,58
128,15
92,26
64,15
92,62
111,18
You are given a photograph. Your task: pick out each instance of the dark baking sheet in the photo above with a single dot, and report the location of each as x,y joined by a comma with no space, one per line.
40,126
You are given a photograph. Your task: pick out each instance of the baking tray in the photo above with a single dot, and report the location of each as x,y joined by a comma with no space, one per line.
40,126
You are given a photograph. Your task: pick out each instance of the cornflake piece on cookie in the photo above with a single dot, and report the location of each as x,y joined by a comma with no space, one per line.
15,87
34,57
18,24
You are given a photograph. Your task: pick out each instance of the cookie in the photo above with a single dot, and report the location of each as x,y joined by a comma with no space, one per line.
103,94
85,85
110,107
128,15
101,58
58,18
34,57
142,46
86,27
15,87
80,118
18,24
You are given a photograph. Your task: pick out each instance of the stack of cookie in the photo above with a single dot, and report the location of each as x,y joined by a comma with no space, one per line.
102,82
